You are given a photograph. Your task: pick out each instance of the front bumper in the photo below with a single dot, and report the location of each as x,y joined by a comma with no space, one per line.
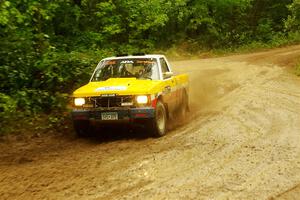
123,114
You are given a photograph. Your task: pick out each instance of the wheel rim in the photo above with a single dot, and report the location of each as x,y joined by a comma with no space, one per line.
160,120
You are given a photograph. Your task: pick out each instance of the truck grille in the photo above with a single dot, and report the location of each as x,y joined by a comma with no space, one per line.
108,102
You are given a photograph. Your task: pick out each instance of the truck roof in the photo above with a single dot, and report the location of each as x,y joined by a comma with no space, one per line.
136,56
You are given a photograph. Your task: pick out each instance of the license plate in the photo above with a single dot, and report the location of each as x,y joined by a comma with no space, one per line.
109,116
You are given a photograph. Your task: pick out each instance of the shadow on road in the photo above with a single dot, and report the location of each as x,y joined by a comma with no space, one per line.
114,133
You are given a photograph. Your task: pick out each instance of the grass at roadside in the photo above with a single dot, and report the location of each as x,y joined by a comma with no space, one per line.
29,126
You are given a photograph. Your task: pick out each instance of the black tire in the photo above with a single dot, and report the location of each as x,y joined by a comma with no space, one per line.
158,125
184,108
82,128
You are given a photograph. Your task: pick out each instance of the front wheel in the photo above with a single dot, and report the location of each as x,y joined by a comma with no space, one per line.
82,128
157,125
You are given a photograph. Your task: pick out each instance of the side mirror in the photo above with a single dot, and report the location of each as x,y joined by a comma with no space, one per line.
167,74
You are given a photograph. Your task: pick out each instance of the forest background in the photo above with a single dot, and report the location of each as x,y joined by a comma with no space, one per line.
50,47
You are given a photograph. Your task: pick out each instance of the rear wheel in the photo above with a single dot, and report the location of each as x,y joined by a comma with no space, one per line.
82,128
157,125
182,113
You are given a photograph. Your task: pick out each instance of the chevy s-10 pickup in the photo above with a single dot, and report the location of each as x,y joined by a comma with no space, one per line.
138,89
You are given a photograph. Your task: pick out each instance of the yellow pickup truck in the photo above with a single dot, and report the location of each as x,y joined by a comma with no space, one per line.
136,89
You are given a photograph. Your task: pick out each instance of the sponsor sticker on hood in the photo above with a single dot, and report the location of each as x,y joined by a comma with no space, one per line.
109,88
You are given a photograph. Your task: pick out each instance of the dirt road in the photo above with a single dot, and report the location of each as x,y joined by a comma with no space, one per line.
242,142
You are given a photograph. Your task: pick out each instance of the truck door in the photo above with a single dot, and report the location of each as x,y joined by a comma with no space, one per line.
169,91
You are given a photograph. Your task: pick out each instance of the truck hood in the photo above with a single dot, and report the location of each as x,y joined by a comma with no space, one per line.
119,86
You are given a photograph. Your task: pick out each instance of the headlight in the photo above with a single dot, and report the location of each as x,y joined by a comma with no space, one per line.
79,101
143,99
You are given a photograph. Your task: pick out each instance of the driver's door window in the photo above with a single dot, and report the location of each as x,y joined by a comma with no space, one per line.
164,67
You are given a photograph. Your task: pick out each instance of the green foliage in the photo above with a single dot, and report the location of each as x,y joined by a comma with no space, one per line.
292,23
49,48
7,107
45,85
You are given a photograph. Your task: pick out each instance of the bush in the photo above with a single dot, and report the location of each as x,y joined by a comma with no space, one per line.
48,82
8,107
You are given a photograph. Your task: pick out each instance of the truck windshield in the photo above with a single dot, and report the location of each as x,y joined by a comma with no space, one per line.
140,68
